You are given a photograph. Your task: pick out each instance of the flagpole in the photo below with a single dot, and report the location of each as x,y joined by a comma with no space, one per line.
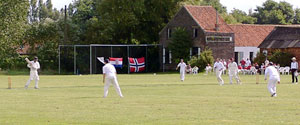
128,60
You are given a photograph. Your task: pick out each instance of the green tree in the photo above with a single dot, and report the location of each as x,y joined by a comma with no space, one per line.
33,12
181,44
242,17
13,19
206,57
297,16
274,13
281,58
216,4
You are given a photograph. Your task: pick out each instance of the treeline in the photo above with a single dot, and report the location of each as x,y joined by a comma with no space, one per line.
38,24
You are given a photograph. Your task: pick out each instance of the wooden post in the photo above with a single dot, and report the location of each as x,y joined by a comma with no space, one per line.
9,83
257,78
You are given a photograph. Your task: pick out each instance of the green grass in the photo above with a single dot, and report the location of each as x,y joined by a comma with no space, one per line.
149,99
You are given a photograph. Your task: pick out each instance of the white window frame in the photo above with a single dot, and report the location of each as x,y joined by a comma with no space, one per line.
230,38
169,33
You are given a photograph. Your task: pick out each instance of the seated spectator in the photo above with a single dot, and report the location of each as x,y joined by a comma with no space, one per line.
189,69
195,70
208,69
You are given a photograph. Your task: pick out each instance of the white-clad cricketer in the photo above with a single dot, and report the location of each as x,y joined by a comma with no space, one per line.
274,78
110,77
218,68
182,66
34,66
233,71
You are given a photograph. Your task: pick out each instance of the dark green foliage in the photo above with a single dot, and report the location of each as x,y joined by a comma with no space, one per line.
13,19
242,17
282,58
260,58
274,13
181,44
206,57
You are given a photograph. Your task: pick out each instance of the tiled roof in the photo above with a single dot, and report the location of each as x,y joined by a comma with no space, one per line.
250,35
283,37
205,16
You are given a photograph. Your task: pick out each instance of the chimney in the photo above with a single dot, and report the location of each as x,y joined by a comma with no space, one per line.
217,19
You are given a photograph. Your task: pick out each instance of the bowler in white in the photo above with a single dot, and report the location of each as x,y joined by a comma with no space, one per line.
110,77
274,78
233,71
218,68
34,66
182,66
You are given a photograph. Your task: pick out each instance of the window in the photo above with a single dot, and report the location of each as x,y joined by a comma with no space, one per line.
218,39
195,31
169,33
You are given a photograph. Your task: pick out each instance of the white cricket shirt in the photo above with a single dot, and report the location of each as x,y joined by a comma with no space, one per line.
35,66
182,66
272,72
218,66
109,70
232,66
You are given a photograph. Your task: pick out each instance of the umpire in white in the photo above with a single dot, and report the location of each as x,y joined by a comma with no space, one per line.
110,77
34,66
274,78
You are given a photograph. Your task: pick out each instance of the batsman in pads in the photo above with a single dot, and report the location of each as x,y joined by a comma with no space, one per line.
110,77
34,66
274,78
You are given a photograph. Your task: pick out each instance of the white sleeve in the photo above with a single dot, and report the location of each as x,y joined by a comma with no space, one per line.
38,65
178,65
28,65
103,70
266,73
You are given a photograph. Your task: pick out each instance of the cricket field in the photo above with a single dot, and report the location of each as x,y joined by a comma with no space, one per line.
149,99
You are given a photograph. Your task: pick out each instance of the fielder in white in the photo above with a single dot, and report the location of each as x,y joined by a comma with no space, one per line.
218,68
182,66
34,66
233,71
274,78
110,77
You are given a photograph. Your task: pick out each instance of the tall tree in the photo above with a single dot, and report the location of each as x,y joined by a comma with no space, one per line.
33,12
297,16
13,19
181,44
43,11
274,13
216,4
242,17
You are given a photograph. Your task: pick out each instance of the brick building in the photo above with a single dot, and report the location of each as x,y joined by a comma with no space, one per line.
286,39
247,39
207,29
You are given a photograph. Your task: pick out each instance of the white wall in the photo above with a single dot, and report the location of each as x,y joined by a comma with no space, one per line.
246,52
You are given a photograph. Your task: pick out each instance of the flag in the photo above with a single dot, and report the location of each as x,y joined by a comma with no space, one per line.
101,59
136,64
117,62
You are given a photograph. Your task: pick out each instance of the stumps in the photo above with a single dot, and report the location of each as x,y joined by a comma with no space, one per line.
9,83
257,78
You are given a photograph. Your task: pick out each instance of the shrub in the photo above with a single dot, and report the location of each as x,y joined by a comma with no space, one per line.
260,58
206,57
282,58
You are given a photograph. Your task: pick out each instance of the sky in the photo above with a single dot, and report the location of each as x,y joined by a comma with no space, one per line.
244,5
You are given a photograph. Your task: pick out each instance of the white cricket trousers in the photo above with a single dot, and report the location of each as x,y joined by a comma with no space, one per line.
182,76
218,74
33,76
234,75
272,85
111,80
